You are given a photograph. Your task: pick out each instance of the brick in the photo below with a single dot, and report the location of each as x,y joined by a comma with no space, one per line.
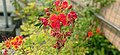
117,39
108,13
106,31
112,35
117,22
117,16
112,19
103,11
118,9
113,14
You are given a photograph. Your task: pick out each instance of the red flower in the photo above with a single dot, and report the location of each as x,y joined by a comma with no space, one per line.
89,34
44,21
64,4
12,43
54,17
15,43
20,42
8,46
72,15
7,43
62,18
17,38
57,3
55,23
15,47
21,37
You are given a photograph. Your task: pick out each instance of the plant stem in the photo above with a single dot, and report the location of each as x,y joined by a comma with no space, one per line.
57,50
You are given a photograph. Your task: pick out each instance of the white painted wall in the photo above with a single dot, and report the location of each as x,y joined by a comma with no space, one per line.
10,8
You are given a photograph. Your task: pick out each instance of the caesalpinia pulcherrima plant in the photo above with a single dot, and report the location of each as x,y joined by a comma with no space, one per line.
14,42
60,16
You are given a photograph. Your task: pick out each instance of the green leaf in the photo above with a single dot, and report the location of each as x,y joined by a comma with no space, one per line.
102,51
95,53
38,24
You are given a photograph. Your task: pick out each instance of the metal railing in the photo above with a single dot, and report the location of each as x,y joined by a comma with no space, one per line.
5,14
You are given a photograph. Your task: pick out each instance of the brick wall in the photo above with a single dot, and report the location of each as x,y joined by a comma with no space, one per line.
112,14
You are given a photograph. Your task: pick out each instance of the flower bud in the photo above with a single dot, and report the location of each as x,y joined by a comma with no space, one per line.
56,46
90,33
68,33
46,10
48,13
44,21
98,30
64,40
70,6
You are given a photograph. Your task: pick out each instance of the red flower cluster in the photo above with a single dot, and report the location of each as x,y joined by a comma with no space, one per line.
54,21
58,19
14,42
90,33
62,5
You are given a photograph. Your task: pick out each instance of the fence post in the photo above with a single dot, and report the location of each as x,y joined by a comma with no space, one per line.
5,13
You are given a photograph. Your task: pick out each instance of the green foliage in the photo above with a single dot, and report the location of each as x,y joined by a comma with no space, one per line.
100,46
1,46
104,3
